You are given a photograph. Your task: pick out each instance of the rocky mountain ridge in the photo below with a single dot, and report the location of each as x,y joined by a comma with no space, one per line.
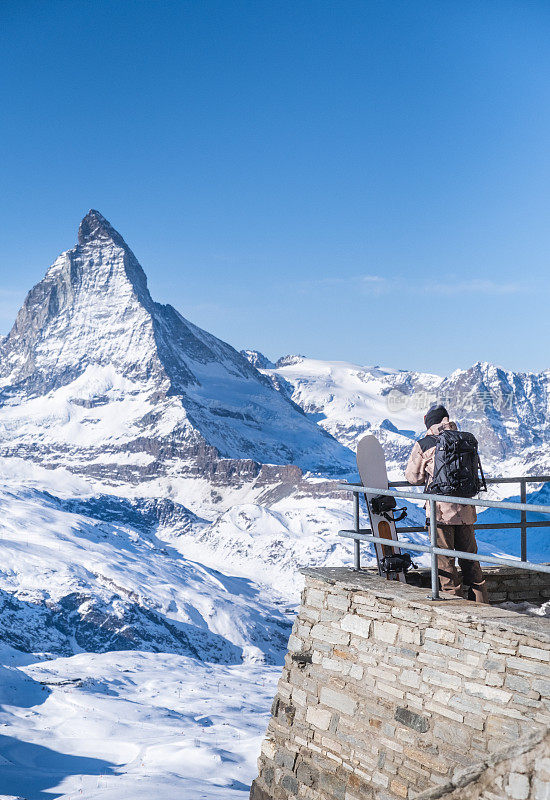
509,412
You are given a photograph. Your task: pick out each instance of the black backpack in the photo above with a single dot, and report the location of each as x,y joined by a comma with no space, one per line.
457,467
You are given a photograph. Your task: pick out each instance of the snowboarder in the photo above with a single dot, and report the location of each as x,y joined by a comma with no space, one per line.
455,522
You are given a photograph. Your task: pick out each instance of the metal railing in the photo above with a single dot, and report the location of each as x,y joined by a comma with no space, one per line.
522,525
365,534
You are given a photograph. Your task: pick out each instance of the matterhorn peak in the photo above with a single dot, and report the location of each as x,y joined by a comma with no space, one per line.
89,336
95,228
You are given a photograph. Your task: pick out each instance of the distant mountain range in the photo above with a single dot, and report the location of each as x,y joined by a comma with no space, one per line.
509,412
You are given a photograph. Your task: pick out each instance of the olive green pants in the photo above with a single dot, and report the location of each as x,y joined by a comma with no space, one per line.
460,537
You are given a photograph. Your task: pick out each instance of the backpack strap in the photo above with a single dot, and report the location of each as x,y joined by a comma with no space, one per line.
483,483
427,442
428,489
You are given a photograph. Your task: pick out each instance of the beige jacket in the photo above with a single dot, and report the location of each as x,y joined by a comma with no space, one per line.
420,470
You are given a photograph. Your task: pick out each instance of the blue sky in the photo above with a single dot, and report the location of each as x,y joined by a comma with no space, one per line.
362,181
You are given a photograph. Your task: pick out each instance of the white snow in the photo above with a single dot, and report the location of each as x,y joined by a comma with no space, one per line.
346,399
131,726
115,571
126,724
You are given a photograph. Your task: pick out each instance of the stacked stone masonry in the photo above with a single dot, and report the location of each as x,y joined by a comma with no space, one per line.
520,771
515,585
385,694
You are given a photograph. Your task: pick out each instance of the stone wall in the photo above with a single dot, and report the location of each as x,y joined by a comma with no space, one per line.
509,583
385,694
520,771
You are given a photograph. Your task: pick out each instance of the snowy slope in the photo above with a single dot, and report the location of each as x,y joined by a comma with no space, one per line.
350,401
71,582
130,726
140,671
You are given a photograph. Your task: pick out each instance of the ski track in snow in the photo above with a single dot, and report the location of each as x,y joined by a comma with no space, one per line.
130,726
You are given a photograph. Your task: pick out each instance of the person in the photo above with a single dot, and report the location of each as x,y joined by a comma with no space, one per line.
455,522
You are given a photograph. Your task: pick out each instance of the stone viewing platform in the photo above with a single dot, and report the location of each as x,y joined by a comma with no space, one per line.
387,694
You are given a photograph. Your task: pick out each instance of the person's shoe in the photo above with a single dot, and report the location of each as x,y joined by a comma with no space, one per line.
477,592
452,594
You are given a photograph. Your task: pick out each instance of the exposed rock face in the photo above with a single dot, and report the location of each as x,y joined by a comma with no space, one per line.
257,359
99,624
97,376
286,361
507,410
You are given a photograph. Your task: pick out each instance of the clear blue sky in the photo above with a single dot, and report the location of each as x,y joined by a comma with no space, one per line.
363,181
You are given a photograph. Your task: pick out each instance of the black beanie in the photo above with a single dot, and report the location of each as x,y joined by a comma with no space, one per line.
435,415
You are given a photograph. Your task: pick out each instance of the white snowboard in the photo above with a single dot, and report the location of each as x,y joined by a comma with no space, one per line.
371,463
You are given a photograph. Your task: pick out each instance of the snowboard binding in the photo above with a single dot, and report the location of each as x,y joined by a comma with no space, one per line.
385,506
396,563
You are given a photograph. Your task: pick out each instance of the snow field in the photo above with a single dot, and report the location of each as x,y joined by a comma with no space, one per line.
132,726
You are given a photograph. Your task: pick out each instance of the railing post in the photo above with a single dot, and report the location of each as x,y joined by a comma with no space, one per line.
433,557
523,499
356,543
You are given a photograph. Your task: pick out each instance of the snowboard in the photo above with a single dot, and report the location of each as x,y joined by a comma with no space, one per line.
371,463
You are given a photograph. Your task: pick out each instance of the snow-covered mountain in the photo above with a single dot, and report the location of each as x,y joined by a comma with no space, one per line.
95,576
97,377
509,412
154,512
